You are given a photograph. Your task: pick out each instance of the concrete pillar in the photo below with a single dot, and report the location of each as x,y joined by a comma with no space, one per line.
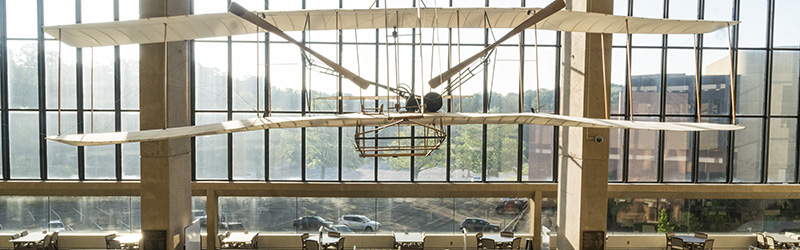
535,207
582,177
212,219
166,165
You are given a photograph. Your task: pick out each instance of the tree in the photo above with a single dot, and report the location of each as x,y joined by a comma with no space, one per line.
663,222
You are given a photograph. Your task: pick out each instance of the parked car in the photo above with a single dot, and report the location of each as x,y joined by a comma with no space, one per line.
478,225
338,228
359,223
476,179
231,226
512,205
55,226
199,215
311,223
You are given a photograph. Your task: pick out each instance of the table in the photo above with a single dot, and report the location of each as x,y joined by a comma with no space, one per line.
409,240
31,238
783,239
498,239
239,238
691,240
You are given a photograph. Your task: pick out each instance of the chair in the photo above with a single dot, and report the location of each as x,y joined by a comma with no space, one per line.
254,242
760,241
770,242
45,244
110,242
709,244
478,237
54,240
222,245
334,234
669,239
23,233
15,236
515,243
701,235
488,243
340,244
506,234
677,243
312,245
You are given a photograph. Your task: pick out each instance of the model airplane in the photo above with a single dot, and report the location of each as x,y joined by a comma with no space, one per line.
240,21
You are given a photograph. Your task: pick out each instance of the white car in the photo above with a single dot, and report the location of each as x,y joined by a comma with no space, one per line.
55,226
359,223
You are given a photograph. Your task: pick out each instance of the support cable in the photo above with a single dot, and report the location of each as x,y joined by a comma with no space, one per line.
696,80
536,54
630,78
733,79
91,86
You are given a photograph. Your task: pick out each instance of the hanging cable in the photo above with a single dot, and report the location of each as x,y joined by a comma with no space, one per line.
630,78
536,64
696,79
460,75
59,81
258,73
733,78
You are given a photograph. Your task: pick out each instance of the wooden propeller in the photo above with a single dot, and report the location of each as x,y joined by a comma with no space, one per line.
552,8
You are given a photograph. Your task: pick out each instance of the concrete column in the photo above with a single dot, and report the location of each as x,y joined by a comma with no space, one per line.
212,219
582,178
535,207
166,165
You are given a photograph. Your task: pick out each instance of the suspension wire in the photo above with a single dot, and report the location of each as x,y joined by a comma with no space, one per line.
91,86
696,79
733,78
421,104
386,32
59,81
166,72
258,73
309,100
605,76
460,74
494,60
536,54
630,78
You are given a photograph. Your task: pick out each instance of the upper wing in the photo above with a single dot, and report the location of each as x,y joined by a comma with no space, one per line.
351,120
187,27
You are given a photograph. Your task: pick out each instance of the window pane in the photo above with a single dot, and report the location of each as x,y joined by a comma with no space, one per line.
782,150
285,76
747,150
68,76
537,153
785,76
786,20
686,10
465,153
720,10
62,159
211,74
23,81
680,82
23,213
616,152
274,214
715,95
713,153
244,77
284,154
128,9
23,14
211,160
23,137
129,76
320,84
646,77
103,78
753,26
503,81
651,9
131,161
619,81
546,80
89,214
434,166
393,215
501,152
248,152
355,168
643,156
100,160
359,62
394,168
751,87
678,153
322,153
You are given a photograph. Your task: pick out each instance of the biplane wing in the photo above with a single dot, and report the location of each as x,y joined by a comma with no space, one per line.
352,120
188,27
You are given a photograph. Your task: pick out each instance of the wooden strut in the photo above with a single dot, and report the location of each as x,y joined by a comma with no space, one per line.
605,76
733,79
696,80
630,78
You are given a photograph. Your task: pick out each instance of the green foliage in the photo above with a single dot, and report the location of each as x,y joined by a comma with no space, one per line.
663,222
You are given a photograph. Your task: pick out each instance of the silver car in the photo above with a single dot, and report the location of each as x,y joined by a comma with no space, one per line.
359,223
